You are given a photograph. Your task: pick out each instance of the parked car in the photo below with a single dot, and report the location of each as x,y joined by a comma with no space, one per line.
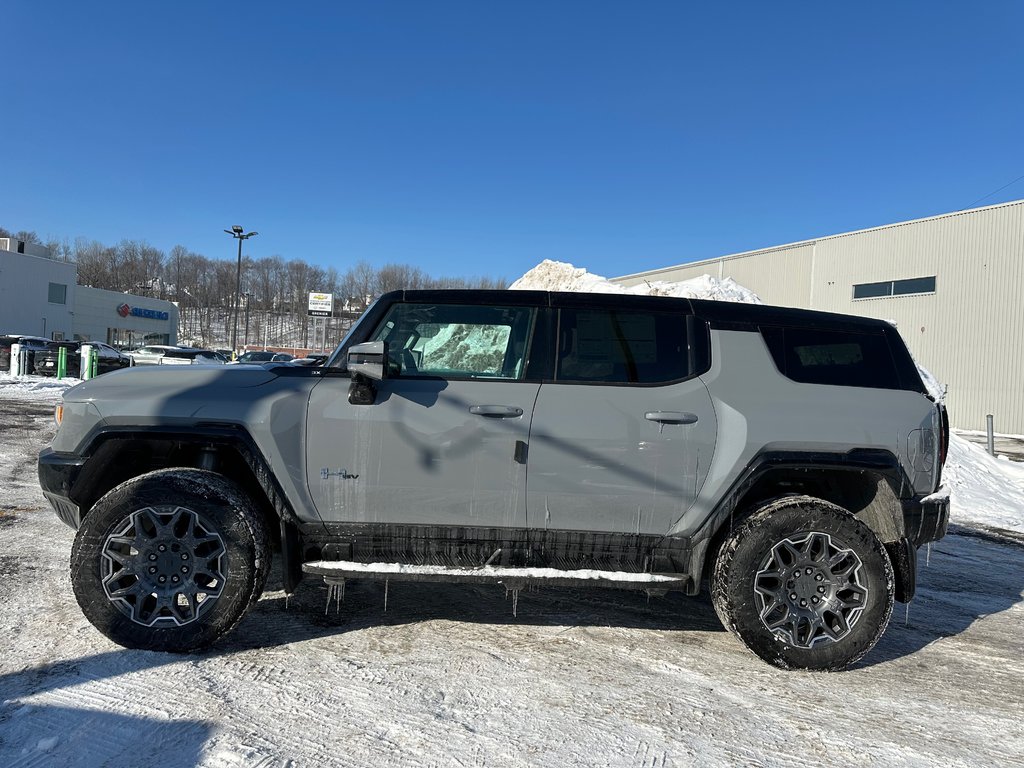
150,354
30,343
187,356
790,461
311,360
107,358
265,356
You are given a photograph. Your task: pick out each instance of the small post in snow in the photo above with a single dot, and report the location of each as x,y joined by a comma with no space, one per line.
85,362
991,435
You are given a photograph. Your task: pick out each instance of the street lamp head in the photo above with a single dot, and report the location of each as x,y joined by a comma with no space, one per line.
238,229
251,234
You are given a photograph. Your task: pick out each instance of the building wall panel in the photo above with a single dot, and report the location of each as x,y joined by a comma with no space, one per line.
24,296
787,282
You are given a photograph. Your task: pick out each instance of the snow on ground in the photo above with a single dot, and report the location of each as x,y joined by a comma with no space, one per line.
447,676
34,388
984,490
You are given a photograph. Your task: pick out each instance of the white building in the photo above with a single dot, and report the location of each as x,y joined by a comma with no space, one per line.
952,284
39,296
122,319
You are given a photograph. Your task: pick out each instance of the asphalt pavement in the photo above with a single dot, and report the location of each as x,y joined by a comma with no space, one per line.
1010,447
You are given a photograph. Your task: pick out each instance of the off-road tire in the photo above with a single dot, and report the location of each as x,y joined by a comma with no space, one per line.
750,555
121,548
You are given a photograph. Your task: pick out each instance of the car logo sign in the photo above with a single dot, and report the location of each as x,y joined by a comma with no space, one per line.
124,310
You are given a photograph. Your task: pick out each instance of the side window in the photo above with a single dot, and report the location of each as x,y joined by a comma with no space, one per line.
840,358
57,293
456,341
627,347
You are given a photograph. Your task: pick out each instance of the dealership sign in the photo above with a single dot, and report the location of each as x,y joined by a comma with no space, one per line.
321,304
125,310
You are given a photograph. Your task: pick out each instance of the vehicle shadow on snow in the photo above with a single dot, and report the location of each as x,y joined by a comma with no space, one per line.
966,577
310,613
306,615
34,734
969,575
46,735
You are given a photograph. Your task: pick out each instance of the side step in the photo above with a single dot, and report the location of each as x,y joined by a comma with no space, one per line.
336,571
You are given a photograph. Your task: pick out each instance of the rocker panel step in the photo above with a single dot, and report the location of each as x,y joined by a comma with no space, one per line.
336,571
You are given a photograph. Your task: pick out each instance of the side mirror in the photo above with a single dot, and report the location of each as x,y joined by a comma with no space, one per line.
367,364
369,360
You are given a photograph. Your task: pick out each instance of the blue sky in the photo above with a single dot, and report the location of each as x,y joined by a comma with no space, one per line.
478,138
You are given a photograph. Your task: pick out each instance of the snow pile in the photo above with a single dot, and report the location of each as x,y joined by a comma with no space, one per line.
34,387
984,489
324,567
560,276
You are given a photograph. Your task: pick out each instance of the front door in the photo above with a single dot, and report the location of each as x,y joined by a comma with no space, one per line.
443,442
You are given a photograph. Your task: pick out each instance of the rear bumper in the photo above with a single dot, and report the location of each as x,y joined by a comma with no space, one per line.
57,476
926,519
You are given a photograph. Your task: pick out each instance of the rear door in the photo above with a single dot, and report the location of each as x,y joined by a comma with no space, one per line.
443,442
622,438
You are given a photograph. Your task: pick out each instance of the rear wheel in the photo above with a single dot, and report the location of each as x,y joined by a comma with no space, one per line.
804,585
170,560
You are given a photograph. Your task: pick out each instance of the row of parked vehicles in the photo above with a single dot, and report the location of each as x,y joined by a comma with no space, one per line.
44,354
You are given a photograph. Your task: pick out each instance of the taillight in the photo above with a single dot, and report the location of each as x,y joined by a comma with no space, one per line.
943,434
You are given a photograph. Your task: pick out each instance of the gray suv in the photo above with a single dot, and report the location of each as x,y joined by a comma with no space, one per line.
788,460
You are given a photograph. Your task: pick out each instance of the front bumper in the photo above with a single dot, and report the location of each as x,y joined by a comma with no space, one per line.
57,476
926,519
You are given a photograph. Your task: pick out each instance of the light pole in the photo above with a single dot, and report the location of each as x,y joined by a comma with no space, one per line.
245,338
236,232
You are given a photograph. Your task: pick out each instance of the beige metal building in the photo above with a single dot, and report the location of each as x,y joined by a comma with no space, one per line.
952,284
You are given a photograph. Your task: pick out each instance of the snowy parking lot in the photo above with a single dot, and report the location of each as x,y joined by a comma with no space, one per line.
446,676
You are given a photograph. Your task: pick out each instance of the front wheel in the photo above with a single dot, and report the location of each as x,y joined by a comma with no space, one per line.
170,560
804,585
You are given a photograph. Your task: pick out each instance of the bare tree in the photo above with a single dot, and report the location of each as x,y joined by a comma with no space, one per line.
396,277
359,285
88,254
60,250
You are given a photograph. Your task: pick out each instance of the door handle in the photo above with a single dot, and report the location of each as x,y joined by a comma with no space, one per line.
671,417
496,411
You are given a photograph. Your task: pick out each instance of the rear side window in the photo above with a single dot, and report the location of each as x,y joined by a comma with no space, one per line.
839,358
629,347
